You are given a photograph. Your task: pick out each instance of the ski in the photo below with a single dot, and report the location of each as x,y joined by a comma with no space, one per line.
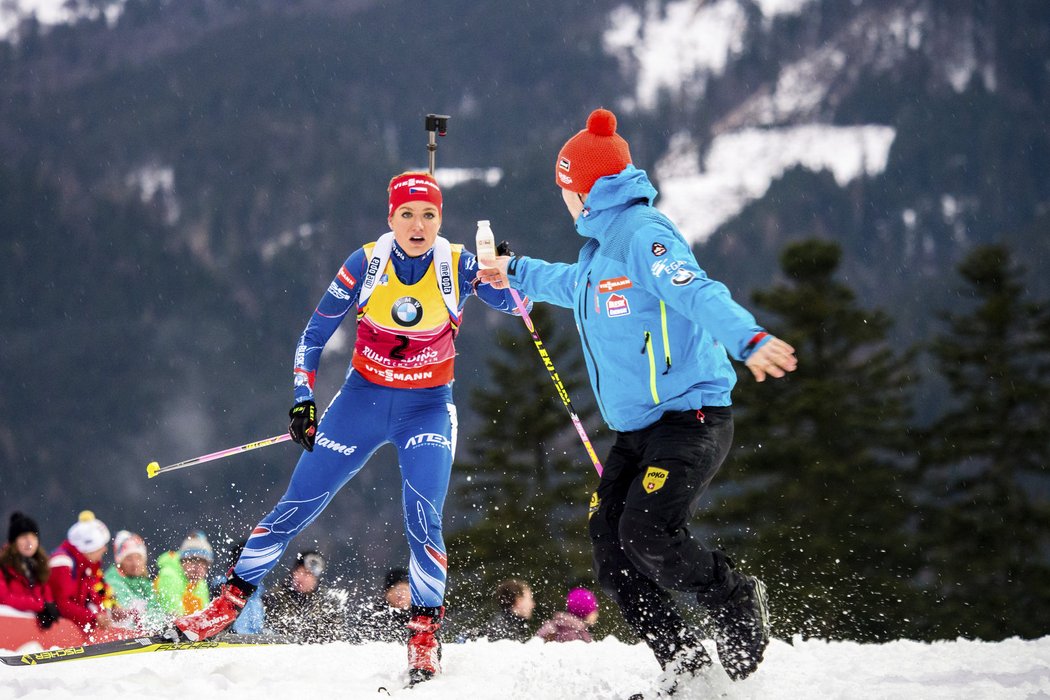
405,681
137,645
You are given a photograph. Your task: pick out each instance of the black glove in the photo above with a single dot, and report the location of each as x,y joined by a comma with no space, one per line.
48,616
303,427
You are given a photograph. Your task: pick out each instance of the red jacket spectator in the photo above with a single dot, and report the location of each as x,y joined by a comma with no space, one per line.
17,592
24,570
76,574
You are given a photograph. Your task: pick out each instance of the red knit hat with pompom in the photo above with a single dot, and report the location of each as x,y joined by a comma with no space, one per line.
595,152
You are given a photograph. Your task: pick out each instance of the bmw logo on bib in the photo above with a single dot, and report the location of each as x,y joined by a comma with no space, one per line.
407,312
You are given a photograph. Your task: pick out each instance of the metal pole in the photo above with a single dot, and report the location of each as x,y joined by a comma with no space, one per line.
436,125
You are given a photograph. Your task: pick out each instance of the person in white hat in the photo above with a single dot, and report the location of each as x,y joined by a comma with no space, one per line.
76,579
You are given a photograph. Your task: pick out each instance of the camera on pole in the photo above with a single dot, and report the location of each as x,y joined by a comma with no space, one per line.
436,125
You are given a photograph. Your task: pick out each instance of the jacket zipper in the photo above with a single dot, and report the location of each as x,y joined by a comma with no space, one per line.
647,349
667,342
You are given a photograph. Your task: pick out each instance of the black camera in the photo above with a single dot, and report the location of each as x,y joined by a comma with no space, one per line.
438,123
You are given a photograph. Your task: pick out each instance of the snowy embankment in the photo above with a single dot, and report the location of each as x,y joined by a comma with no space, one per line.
577,671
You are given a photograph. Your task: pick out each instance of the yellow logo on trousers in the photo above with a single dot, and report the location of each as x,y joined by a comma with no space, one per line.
654,479
595,502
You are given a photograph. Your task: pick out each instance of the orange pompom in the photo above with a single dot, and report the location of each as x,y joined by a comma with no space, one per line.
602,122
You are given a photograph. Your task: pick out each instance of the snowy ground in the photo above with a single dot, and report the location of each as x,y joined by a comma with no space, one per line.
604,670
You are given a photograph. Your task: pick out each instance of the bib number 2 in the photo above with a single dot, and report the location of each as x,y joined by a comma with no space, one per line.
398,351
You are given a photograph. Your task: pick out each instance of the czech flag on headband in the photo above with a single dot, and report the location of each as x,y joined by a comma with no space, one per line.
413,187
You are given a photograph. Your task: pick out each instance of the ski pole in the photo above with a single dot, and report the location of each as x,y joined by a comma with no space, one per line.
487,251
562,393
153,468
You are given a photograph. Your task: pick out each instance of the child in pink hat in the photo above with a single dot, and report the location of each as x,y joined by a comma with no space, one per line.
581,611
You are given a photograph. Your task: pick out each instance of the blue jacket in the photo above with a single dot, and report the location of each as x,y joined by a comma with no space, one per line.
655,328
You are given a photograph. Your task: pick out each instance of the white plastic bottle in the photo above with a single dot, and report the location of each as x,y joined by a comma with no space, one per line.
486,245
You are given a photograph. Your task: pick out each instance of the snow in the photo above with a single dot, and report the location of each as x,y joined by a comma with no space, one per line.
606,669
52,12
740,166
677,47
798,95
451,177
156,181
775,8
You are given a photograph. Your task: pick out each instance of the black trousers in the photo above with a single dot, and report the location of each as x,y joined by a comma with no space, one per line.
651,487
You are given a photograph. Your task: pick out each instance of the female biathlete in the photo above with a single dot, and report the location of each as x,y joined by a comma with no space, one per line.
407,289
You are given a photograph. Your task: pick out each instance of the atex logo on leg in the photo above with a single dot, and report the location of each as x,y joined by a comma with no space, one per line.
431,439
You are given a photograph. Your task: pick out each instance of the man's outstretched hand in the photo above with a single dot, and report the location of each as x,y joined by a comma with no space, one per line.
496,276
775,359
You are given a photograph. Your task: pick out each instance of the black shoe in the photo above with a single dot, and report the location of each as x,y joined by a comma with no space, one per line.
418,675
742,628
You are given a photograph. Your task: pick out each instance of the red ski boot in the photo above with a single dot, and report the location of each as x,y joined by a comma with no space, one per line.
424,648
220,613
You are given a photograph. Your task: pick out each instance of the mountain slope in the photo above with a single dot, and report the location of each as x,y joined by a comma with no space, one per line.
181,180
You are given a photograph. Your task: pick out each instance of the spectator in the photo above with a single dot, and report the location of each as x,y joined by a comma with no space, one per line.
300,608
384,619
24,572
182,576
76,580
128,578
581,612
516,604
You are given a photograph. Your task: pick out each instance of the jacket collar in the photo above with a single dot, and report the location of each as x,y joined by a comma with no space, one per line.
611,195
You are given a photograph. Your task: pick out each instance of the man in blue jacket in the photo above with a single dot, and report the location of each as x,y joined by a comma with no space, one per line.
656,331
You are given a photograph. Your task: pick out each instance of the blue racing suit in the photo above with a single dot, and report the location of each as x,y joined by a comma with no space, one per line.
398,390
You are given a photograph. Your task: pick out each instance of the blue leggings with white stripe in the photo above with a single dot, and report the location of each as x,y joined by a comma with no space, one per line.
421,424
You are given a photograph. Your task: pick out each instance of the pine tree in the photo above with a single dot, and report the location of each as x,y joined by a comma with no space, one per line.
526,481
816,502
988,458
